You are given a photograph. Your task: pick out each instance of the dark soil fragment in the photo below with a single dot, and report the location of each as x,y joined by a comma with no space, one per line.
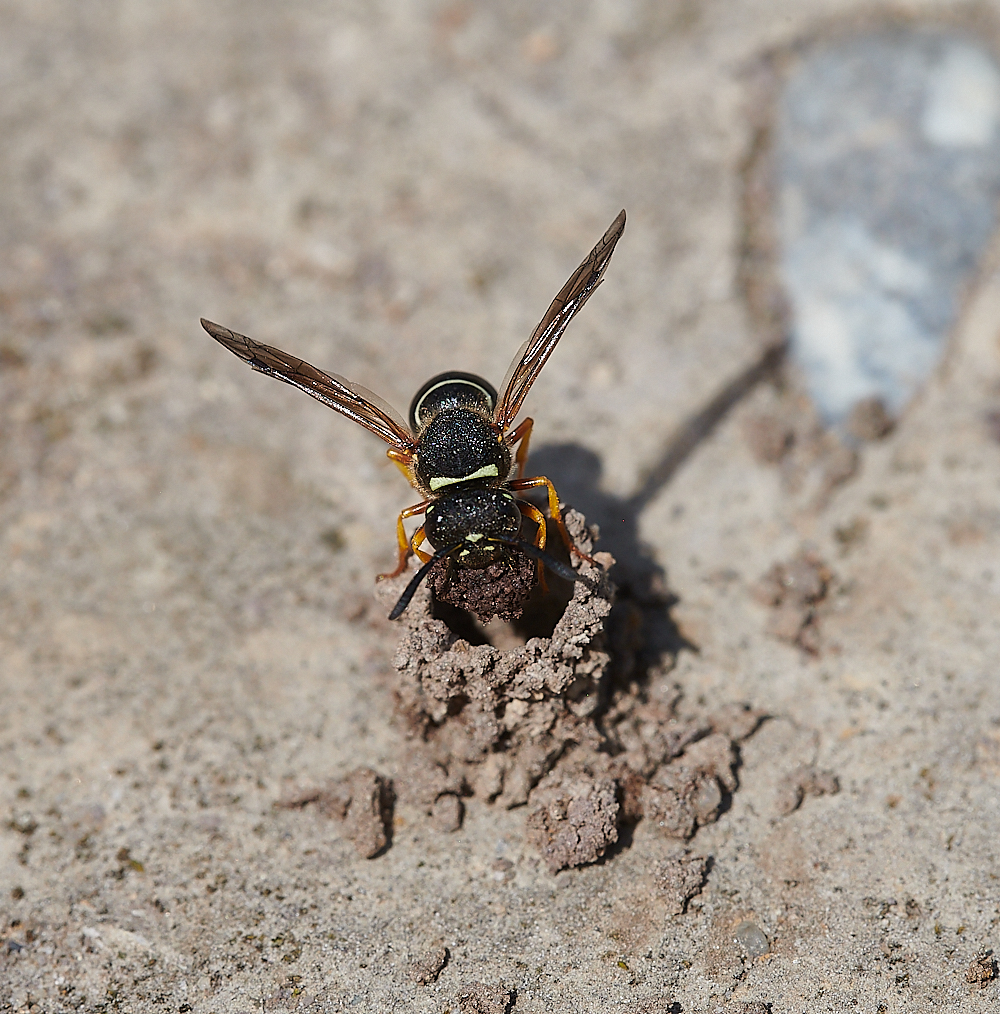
574,820
299,799
982,970
499,590
852,534
503,870
794,589
992,420
644,733
768,436
690,790
801,581
363,800
802,782
369,813
425,969
737,721
478,998
437,792
840,464
869,419
680,879
447,812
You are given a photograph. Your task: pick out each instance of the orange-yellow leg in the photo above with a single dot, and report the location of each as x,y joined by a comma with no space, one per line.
418,538
402,540
540,480
521,436
538,517
403,460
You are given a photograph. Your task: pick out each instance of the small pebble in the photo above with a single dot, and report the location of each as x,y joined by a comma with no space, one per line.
751,938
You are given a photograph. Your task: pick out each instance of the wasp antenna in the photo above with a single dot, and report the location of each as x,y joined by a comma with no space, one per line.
411,589
556,566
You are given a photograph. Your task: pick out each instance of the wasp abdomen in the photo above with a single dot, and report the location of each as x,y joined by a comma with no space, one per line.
471,519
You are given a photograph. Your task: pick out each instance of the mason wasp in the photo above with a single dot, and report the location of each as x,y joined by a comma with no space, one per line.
458,450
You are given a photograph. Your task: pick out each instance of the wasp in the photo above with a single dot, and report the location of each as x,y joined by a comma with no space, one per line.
459,450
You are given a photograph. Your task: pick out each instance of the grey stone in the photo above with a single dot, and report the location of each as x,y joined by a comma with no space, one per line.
889,173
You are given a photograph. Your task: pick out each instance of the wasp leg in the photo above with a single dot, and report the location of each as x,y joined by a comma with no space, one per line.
404,542
540,480
403,460
531,511
418,538
522,435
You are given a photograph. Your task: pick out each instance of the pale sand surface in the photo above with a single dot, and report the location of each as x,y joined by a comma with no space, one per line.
188,622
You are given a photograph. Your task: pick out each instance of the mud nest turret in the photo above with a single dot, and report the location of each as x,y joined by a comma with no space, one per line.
546,723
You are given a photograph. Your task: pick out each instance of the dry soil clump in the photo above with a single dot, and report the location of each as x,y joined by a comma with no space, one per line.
551,724
362,799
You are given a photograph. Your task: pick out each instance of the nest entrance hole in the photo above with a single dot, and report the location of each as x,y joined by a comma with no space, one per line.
502,605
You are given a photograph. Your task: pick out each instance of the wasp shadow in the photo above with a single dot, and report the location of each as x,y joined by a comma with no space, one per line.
640,627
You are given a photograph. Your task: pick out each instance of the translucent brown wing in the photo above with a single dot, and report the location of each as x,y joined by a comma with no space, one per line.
352,400
534,353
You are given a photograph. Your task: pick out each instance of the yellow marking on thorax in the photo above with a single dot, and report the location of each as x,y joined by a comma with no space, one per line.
486,472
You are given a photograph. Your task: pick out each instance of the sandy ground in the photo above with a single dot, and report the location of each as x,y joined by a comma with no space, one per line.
188,624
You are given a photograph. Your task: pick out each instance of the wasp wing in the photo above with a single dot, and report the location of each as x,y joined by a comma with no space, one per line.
534,353
352,400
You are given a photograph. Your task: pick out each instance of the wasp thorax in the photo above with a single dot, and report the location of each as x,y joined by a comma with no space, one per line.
460,448
470,519
451,390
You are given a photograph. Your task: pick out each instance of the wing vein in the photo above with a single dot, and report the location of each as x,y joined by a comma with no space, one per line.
336,392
